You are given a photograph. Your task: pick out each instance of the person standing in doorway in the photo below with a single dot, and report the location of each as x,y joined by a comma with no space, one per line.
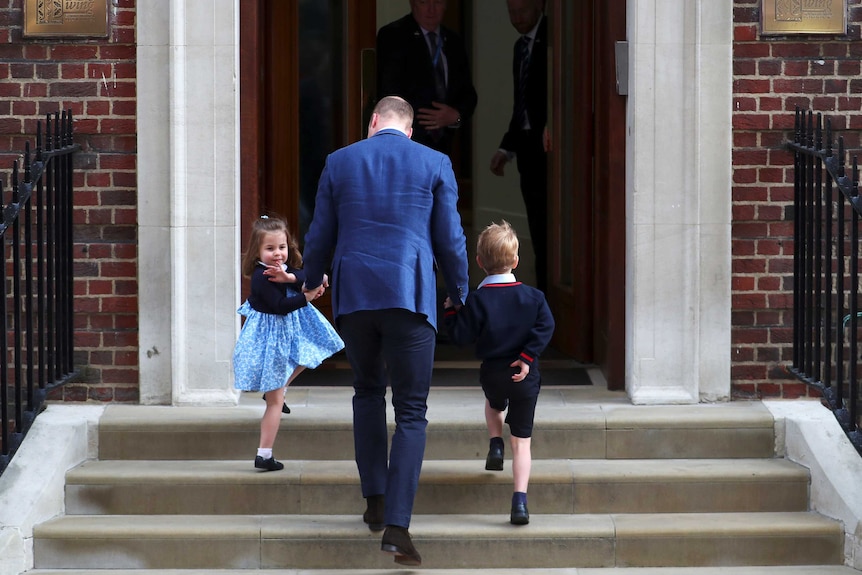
385,216
524,139
426,64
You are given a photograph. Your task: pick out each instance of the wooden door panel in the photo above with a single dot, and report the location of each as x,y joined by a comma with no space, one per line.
571,183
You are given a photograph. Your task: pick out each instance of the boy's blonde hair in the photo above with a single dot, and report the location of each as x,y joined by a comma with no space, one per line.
497,248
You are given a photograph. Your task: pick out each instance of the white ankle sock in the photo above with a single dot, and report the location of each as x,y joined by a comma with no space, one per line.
265,453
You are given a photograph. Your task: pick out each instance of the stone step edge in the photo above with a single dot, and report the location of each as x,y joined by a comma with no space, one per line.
442,527
745,570
577,471
145,419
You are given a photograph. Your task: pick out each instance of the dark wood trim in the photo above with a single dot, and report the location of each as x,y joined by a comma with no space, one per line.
570,200
251,119
281,105
610,225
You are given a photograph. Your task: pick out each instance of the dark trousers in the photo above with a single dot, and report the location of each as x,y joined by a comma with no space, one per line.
397,345
533,169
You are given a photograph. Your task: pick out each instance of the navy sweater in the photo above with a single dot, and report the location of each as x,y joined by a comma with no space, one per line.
505,320
276,298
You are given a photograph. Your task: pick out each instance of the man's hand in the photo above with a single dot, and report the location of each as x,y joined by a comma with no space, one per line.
440,116
524,369
498,163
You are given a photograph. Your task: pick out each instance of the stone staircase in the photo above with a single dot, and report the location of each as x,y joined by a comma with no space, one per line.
615,487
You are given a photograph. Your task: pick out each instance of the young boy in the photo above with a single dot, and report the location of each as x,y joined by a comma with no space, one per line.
511,325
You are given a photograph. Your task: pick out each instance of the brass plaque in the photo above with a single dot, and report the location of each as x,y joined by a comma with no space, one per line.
803,16
62,18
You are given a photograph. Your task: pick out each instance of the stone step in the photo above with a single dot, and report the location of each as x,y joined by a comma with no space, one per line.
446,486
445,541
571,423
747,570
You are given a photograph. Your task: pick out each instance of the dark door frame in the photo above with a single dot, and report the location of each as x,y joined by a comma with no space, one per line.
259,151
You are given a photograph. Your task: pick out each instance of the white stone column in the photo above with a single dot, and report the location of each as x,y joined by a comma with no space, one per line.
188,199
678,201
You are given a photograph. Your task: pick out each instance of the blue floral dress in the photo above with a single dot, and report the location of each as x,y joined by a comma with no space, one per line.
281,331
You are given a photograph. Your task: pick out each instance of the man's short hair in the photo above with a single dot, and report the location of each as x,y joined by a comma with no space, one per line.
395,106
497,247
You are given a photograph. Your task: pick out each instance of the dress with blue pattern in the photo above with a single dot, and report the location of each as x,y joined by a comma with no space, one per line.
273,343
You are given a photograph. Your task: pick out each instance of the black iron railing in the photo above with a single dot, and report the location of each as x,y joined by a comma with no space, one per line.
826,314
36,312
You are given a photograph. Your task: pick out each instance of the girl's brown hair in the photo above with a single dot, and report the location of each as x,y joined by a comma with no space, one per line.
260,227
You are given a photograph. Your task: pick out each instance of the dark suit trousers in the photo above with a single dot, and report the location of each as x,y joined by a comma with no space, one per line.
533,168
400,344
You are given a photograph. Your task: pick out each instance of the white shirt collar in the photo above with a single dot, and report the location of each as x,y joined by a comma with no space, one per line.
498,279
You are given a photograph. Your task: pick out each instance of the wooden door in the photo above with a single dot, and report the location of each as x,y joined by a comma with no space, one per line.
587,184
306,85
570,229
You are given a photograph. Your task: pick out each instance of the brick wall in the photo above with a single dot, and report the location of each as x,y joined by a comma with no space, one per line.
773,75
95,78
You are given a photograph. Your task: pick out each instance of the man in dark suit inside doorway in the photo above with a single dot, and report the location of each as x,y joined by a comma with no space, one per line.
426,64
524,139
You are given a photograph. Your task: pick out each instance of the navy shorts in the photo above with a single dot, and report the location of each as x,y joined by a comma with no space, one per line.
518,397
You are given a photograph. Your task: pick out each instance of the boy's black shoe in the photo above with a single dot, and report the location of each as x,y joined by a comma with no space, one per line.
373,515
284,407
396,540
494,461
519,515
268,464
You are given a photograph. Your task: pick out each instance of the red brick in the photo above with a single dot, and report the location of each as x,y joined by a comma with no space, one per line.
73,52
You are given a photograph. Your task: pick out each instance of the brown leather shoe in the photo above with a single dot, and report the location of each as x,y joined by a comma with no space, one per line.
396,540
373,515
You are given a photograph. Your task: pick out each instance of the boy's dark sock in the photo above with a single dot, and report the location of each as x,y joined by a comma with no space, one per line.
519,497
497,442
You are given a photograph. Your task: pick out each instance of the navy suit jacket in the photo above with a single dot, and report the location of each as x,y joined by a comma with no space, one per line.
385,214
404,69
536,90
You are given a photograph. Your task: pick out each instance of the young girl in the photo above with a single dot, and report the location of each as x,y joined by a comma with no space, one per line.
283,333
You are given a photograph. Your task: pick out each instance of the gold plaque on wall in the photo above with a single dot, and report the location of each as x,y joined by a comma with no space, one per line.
61,18
803,16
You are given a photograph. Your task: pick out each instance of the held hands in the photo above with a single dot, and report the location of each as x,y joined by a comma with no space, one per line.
312,294
440,116
524,367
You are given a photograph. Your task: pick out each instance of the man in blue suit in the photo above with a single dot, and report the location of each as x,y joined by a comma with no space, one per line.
386,216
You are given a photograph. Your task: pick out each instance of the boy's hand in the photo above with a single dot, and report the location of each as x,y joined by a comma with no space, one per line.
447,304
524,369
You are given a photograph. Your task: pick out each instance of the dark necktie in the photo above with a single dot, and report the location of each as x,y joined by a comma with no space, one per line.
439,70
439,77
522,53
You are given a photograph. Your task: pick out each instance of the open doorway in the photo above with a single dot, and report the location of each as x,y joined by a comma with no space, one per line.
308,83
